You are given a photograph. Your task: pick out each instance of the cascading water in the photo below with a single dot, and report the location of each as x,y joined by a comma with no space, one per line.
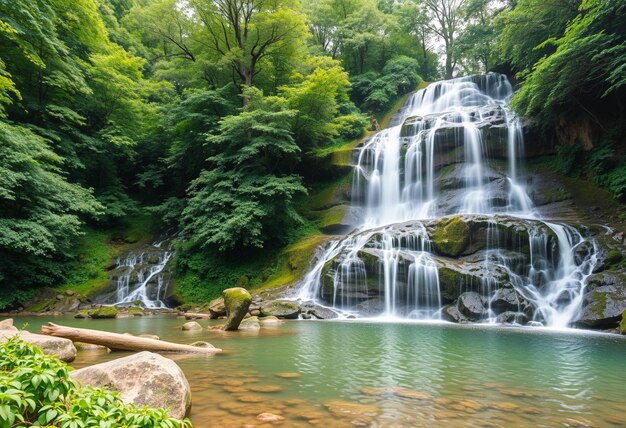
141,277
446,227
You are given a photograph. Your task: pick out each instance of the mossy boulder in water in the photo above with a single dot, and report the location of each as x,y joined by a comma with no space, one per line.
451,236
104,312
237,301
281,309
622,324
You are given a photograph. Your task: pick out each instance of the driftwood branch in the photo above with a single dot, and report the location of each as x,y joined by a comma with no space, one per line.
120,342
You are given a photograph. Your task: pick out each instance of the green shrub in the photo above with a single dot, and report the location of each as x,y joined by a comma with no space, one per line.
35,389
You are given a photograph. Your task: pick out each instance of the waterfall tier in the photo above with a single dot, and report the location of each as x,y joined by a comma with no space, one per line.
446,229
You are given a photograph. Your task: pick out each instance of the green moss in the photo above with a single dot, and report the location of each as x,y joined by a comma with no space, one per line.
450,282
622,324
104,312
614,257
451,236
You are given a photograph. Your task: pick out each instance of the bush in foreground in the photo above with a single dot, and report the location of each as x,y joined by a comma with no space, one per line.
35,390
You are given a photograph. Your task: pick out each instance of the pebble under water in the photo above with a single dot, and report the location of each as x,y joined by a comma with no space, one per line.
320,373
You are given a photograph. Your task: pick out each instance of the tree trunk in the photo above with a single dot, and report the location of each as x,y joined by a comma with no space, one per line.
120,342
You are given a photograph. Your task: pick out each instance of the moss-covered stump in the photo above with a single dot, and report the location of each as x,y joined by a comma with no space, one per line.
281,309
451,236
104,312
237,301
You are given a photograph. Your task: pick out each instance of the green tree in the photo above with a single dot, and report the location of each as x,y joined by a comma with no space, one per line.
246,198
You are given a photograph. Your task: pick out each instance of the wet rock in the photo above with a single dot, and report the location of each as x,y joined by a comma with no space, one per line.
144,378
319,312
82,314
507,299
66,305
89,347
281,309
191,326
604,300
217,308
265,388
251,323
452,313
255,312
451,236
510,317
306,316
471,305
237,301
104,312
63,349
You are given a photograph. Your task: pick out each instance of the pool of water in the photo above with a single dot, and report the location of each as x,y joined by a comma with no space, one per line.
392,374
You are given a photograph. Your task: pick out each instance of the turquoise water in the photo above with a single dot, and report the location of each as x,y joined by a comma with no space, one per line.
390,374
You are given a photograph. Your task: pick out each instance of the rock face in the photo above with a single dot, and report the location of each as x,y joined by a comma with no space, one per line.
237,301
281,309
145,378
63,349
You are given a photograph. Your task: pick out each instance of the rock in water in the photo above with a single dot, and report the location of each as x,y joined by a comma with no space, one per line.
145,378
104,312
471,305
281,309
251,323
191,325
217,308
237,301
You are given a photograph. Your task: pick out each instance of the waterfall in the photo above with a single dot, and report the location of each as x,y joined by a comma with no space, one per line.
454,162
142,277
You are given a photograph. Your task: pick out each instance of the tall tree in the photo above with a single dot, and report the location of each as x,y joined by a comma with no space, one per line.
446,22
245,32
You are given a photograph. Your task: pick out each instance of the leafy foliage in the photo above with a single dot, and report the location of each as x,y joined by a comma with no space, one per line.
35,389
247,196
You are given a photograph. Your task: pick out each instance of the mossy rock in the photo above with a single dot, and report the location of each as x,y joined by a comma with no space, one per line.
450,281
451,236
104,312
237,301
614,257
622,325
281,309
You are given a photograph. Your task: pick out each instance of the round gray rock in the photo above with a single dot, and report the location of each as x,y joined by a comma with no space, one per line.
281,309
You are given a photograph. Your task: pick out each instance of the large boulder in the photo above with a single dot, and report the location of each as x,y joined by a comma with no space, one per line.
144,378
63,349
217,308
237,301
281,309
250,323
319,312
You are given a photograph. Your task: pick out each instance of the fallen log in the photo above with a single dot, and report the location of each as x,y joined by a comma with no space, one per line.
120,342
